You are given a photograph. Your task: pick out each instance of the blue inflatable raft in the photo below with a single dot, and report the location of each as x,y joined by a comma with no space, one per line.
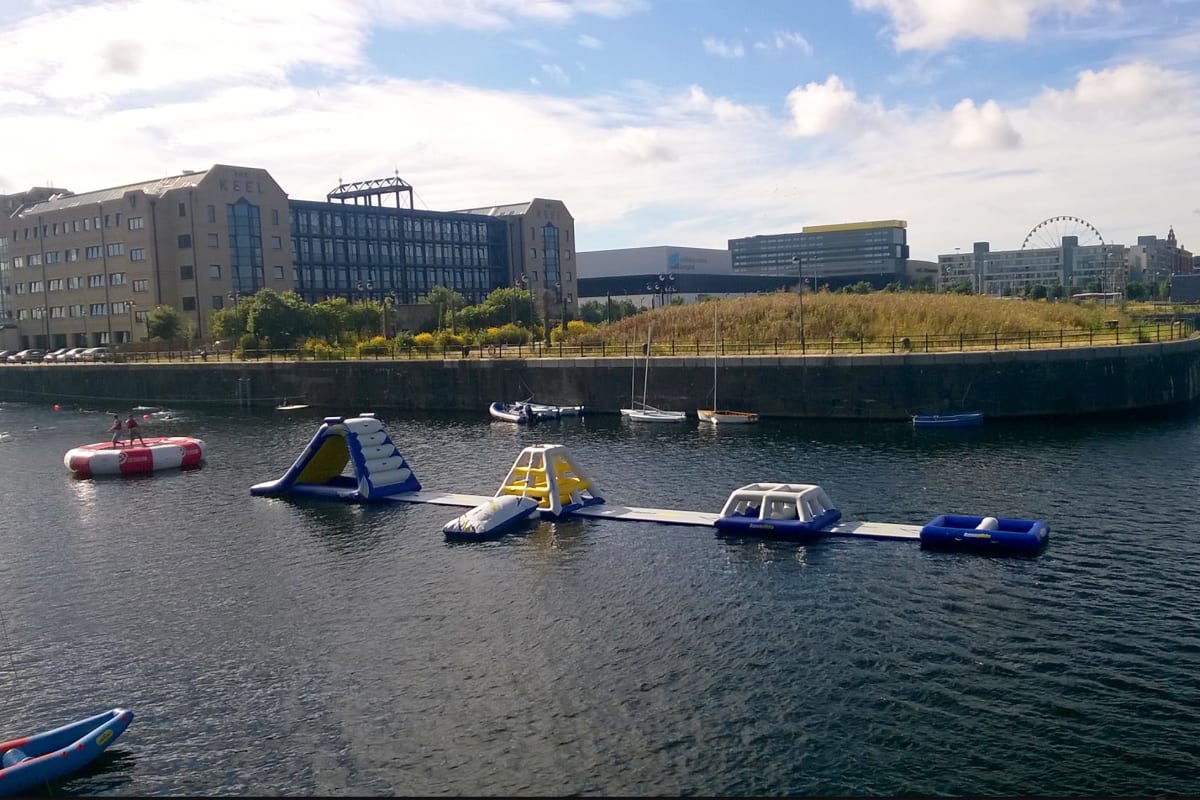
986,534
31,762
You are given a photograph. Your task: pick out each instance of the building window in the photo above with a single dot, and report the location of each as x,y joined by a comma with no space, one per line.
141,285
214,240
92,252
533,253
214,270
35,259
218,302
567,257
212,213
73,254
18,262
116,249
116,279
185,241
274,216
188,303
137,223
137,254
276,243
278,273
53,256
183,209
87,224
185,272
74,281
95,281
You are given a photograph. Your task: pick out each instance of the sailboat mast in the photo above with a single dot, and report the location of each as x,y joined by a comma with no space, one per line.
716,406
646,379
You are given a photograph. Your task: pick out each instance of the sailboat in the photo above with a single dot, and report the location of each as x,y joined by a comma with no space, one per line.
647,413
721,417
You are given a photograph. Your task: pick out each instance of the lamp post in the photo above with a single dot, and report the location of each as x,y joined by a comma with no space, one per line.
800,272
562,301
132,319
389,300
83,312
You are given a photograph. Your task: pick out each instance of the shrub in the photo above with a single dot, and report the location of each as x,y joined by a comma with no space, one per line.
424,342
249,346
375,346
321,350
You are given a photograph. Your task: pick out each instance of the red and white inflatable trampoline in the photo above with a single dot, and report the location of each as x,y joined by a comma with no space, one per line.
159,452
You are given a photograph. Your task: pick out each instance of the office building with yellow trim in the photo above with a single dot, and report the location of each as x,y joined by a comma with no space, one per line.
838,255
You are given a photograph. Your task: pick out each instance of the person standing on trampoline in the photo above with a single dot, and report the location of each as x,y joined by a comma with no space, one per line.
131,425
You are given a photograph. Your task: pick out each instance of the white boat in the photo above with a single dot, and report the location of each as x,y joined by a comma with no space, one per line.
286,406
647,414
715,415
644,412
519,413
547,411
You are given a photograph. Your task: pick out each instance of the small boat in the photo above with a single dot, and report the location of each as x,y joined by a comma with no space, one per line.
519,413
651,414
546,411
286,406
985,534
963,419
726,417
793,511
152,454
714,415
29,763
641,411
494,518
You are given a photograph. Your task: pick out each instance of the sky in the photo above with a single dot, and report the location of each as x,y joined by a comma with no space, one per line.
658,122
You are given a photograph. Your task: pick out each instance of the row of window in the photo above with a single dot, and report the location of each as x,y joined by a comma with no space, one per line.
90,253
83,310
387,226
77,226
95,281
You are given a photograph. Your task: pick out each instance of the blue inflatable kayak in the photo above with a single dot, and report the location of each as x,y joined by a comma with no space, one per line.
34,761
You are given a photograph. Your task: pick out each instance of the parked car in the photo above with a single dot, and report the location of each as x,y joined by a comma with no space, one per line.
54,354
27,355
96,354
4,354
69,355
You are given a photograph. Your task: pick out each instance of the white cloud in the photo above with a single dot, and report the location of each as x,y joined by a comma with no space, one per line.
825,108
493,14
785,40
719,47
986,127
934,24
636,166
556,74
590,42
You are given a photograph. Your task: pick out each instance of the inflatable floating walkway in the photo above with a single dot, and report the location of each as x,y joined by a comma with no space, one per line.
547,475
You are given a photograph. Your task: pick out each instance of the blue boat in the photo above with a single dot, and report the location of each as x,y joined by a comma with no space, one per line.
790,511
491,519
962,419
31,762
986,534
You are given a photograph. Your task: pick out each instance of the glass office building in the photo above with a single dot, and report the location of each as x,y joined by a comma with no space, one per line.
833,255
372,252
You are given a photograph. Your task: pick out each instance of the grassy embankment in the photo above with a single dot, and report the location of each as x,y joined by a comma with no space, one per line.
879,317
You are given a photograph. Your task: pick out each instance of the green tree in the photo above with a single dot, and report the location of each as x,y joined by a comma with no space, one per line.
276,319
447,301
167,324
1038,292
329,319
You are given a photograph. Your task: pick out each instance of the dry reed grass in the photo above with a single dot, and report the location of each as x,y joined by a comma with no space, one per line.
877,316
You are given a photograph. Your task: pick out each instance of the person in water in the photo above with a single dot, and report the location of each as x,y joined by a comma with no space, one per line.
131,425
115,429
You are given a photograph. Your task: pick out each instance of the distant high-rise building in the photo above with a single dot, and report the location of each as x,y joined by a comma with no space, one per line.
835,255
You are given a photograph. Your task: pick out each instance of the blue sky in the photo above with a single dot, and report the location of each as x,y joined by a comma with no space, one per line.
655,121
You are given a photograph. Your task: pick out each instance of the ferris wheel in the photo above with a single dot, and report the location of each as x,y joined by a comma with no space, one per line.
1049,233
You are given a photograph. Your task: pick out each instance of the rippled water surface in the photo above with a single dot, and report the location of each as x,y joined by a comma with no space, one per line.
305,647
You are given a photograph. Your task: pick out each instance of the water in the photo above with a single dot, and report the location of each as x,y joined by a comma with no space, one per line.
299,648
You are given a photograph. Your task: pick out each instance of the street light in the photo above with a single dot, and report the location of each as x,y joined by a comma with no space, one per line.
562,299
83,312
800,273
389,300
132,319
